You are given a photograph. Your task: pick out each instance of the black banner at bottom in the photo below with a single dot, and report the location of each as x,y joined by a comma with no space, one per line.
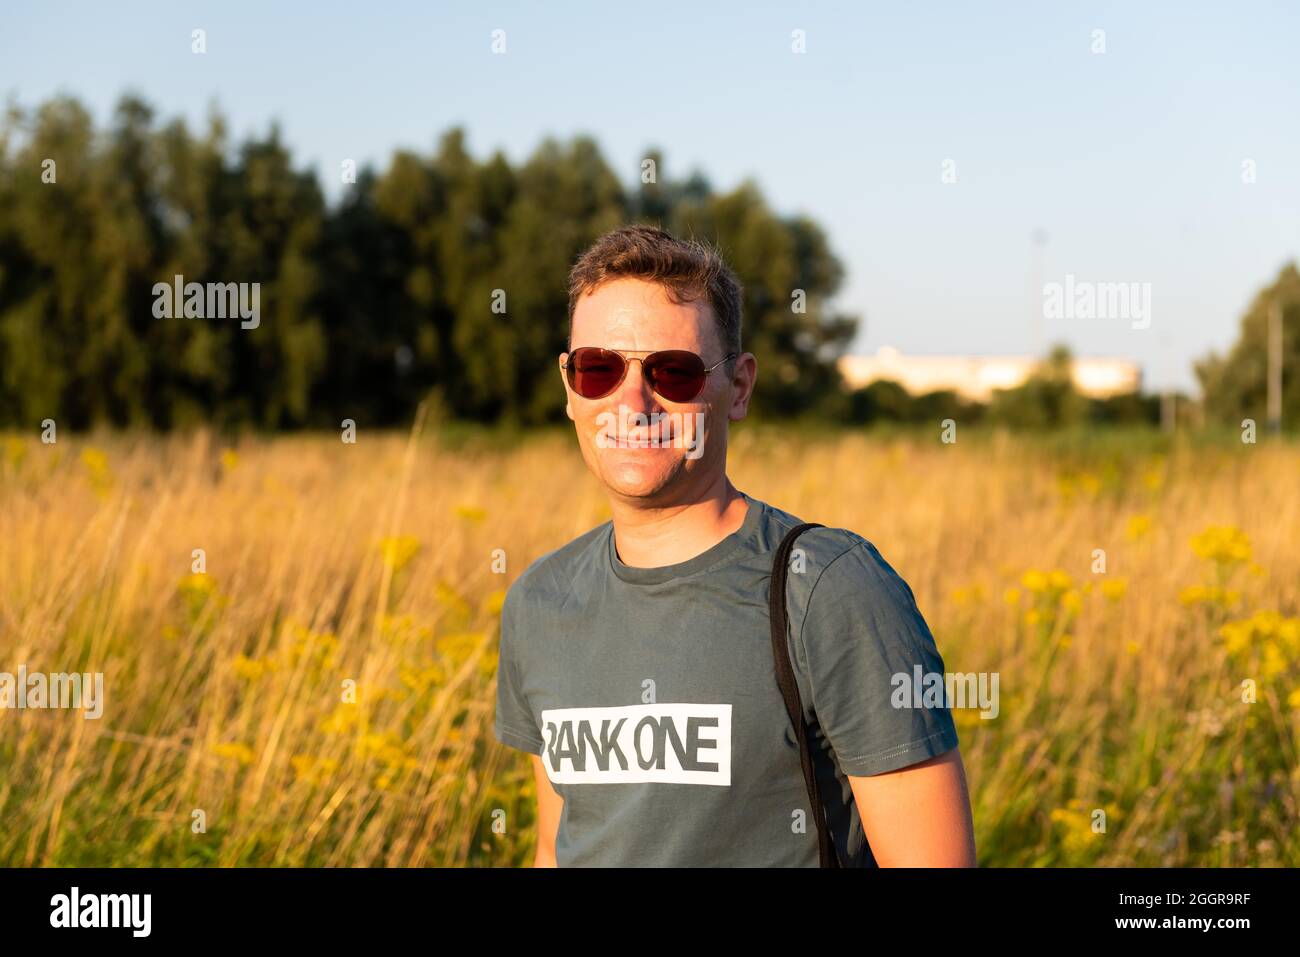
127,907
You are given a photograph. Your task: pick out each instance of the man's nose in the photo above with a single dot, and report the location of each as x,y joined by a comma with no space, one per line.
635,392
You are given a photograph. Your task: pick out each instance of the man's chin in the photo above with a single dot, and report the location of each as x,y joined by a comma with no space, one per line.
633,478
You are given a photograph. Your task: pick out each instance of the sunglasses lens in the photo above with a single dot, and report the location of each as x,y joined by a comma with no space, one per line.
676,375
594,372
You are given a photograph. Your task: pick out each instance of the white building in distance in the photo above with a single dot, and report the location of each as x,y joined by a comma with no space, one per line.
975,377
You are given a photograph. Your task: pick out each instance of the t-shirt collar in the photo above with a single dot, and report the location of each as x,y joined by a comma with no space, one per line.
706,559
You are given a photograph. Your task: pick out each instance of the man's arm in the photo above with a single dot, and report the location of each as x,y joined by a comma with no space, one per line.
920,815
549,804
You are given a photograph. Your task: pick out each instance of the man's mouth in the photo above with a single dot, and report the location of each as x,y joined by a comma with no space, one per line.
642,438
661,431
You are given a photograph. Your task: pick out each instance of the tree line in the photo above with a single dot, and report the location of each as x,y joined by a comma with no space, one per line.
438,278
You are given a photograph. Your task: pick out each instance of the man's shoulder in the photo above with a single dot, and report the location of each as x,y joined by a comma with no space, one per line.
836,564
851,572
550,576
820,546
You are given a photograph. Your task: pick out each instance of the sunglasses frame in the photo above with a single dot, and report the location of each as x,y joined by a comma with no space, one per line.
640,355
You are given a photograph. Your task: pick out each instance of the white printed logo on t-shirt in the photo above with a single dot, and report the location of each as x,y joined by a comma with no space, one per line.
684,743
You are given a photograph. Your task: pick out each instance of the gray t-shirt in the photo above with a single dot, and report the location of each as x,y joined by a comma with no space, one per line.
652,696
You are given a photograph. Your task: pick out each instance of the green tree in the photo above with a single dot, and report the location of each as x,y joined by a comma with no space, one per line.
436,275
1235,386
1047,399
788,273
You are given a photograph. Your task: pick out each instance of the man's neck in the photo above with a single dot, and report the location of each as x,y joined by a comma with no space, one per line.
654,537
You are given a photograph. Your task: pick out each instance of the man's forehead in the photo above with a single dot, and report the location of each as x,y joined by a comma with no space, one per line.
632,308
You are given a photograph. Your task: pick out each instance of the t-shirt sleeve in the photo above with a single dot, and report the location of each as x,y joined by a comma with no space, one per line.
861,639
514,724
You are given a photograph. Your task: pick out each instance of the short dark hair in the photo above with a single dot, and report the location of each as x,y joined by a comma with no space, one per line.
687,269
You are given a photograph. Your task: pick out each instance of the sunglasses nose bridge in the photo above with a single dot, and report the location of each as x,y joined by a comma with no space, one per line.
643,388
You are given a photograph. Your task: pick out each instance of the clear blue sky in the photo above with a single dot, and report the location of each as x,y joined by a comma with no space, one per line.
1129,160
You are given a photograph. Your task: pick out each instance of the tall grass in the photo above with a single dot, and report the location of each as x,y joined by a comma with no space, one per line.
321,693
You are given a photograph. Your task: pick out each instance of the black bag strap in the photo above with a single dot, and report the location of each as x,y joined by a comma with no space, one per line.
790,690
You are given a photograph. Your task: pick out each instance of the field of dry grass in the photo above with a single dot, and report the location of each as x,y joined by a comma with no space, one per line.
316,686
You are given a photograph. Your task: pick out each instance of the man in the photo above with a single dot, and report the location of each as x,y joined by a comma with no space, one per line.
636,661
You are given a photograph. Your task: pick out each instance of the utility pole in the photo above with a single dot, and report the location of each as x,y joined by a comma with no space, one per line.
1275,366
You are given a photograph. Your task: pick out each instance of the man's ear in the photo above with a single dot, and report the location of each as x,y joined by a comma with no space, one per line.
564,381
746,376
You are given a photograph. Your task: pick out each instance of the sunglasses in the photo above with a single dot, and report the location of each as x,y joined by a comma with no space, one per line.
675,374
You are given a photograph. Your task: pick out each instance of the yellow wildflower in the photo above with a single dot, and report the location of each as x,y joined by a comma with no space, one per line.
450,599
15,451
342,719
1224,544
420,680
398,550
95,460
1034,580
1114,588
1236,636
96,463
1139,526
241,754
251,669
461,645
494,602
199,583
313,770
1075,821
1274,661
471,513
1278,637
1209,595
197,590
320,648
387,748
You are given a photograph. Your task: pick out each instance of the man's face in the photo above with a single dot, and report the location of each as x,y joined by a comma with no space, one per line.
679,448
